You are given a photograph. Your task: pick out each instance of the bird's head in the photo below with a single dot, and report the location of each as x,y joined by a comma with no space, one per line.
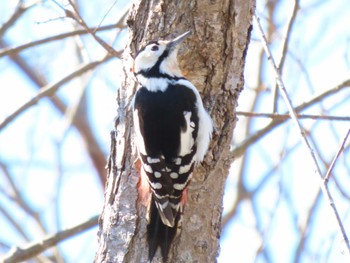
158,59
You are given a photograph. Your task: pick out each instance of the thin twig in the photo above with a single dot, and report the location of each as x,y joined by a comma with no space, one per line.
341,149
241,147
287,116
18,198
76,16
13,50
31,250
16,225
106,14
81,122
19,11
284,50
294,117
50,90
344,192
303,227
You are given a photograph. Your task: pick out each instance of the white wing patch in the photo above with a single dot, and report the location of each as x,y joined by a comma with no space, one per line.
182,186
177,161
205,129
155,185
147,168
153,160
174,175
185,168
139,138
186,137
157,174
205,125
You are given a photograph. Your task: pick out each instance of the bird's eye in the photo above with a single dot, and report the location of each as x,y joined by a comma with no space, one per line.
154,48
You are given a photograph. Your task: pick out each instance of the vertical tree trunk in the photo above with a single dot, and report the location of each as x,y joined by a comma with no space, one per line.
212,59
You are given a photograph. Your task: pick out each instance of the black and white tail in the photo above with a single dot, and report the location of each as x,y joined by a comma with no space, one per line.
168,180
159,234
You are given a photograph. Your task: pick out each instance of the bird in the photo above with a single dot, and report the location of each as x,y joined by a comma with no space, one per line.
173,131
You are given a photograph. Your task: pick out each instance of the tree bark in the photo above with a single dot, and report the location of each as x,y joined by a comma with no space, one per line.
213,60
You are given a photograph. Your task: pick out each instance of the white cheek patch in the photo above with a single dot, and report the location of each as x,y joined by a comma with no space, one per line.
145,61
147,58
170,66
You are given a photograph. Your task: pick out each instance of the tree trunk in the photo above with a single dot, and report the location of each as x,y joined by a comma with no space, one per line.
213,60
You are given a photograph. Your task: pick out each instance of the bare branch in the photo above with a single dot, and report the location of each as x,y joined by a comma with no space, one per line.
19,11
81,122
31,250
18,198
284,50
76,16
242,194
343,192
23,204
341,149
292,111
109,10
240,148
14,223
50,90
13,50
287,116
303,228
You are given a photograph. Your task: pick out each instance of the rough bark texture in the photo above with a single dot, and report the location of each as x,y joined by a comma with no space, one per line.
213,59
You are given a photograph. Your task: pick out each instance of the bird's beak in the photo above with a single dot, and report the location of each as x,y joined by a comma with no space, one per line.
173,43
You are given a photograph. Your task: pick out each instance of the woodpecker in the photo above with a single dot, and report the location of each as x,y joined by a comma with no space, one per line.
173,132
